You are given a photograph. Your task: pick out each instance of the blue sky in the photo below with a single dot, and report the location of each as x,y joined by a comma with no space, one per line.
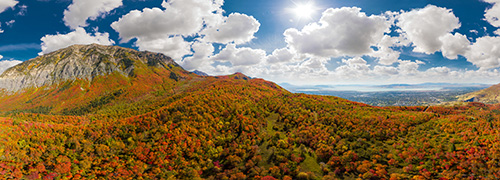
293,41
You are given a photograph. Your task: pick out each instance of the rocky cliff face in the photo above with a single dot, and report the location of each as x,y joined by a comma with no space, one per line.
79,61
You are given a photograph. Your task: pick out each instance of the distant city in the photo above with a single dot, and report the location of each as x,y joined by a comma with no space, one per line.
392,94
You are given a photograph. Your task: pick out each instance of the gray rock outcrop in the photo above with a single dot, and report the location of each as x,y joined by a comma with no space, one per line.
78,61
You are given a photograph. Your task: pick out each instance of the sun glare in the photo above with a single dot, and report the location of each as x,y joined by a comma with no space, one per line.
304,10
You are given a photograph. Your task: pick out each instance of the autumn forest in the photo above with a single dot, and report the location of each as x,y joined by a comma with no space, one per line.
162,122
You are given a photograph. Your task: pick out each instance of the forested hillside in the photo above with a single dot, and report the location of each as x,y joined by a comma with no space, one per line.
167,123
489,95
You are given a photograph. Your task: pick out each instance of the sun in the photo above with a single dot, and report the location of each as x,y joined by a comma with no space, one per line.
304,10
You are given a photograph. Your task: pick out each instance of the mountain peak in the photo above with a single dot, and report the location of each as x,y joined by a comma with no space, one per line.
237,75
80,62
199,73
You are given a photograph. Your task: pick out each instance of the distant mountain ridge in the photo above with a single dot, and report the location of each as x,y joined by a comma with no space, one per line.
79,61
200,73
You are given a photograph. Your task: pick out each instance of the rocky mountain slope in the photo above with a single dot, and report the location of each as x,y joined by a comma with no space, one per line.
79,62
83,78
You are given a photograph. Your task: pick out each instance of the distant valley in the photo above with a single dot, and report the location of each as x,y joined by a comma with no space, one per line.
393,94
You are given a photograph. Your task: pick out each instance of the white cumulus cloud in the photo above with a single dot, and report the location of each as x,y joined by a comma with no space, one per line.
385,54
492,15
439,71
161,30
497,32
424,27
485,52
6,64
200,59
407,67
175,47
354,68
164,30
385,70
240,56
281,55
4,4
340,32
80,10
237,28
52,43
454,45
186,18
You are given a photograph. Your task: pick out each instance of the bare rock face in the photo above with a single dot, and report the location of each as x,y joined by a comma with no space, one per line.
79,61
